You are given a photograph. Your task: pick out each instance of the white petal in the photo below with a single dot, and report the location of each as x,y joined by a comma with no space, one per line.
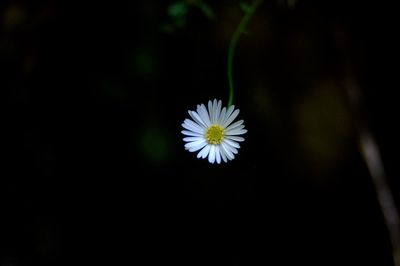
191,133
211,156
204,152
194,143
198,146
231,143
218,155
235,125
194,125
232,130
202,111
235,138
215,108
193,129
236,132
189,139
197,119
231,118
221,116
233,150
218,111
210,111
228,113
227,151
223,155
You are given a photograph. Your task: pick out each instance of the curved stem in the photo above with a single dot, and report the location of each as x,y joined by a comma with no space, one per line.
232,45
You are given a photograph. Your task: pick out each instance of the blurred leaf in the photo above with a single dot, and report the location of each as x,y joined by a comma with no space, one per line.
177,10
180,23
207,10
155,144
144,63
245,7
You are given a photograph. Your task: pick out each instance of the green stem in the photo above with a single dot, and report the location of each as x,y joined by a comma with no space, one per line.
232,45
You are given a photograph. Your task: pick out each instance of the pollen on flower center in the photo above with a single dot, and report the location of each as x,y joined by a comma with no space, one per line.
215,134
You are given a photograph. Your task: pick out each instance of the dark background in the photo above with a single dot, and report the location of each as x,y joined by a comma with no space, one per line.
95,170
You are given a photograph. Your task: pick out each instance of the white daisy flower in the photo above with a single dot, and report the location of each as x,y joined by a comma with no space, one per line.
212,133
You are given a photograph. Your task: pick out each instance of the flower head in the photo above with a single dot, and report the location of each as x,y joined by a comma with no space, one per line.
212,133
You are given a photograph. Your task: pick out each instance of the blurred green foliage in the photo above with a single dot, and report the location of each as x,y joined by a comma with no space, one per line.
144,64
206,9
155,144
178,13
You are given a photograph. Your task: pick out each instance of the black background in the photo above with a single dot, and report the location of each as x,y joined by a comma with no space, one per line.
95,170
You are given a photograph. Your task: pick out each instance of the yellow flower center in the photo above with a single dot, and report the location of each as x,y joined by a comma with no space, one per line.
215,134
